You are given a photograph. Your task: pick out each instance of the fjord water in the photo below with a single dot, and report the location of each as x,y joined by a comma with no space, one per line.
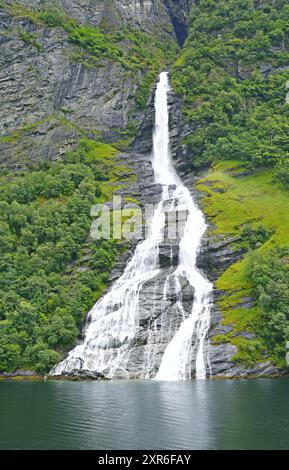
200,414
113,322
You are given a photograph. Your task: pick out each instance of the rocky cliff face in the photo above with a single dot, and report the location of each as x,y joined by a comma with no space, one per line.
48,96
216,255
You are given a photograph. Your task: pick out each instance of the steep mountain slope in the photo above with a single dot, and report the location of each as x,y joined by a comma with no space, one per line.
233,75
75,65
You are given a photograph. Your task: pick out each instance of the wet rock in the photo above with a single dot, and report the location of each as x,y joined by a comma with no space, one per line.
175,222
217,255
78,375
152,193
220,358
120,264
168,255
188,293
179,289
264,369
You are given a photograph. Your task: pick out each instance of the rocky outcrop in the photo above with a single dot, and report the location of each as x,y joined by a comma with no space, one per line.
218,253
179,13
145,15
48,97
78,375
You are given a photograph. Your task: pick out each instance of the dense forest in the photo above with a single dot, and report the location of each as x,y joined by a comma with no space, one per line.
45,222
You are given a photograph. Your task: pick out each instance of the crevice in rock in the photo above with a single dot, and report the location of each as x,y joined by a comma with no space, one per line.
179,12
180,30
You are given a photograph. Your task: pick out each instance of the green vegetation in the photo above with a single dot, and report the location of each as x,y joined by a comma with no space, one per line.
14,136
30,39
233,74
44,226
251,208
247,201
270,277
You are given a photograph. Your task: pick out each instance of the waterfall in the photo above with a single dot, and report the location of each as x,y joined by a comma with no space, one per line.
175,363
113,323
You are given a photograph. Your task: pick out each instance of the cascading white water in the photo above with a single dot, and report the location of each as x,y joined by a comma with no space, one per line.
176,361
113,322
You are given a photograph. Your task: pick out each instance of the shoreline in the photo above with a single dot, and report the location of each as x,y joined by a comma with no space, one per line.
34,377
22,376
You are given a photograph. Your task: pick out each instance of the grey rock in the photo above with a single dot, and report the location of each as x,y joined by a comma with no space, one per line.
264,369
179,12
48,96
151,194
220,358
18,373
247,302
217,254
248,335
168,255
78,375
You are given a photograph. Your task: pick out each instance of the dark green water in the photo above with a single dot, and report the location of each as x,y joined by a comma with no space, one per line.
248,414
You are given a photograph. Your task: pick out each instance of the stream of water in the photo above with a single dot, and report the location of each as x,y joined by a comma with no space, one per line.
113,323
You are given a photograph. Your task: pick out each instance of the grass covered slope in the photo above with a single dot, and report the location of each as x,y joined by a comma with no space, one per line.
233,74
253,210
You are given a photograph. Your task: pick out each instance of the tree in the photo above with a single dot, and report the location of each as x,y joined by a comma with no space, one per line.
41,357
17,217
61,330
282,172
10,355
24,318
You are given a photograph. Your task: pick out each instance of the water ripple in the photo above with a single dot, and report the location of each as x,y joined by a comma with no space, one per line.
144,415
